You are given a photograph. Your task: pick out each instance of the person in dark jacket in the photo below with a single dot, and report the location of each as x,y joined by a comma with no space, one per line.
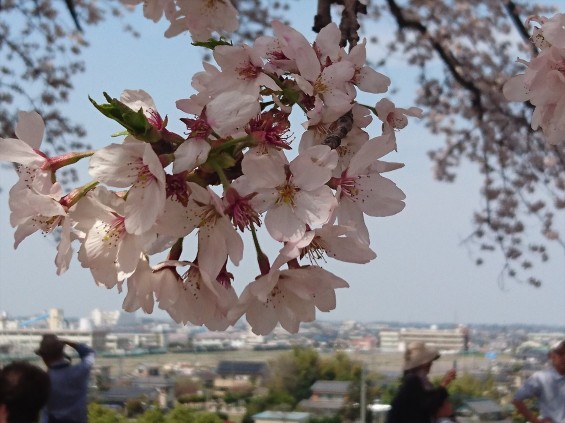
417,400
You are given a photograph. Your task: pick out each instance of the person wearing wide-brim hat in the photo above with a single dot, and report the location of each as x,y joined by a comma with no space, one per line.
69,383
418,400
50,347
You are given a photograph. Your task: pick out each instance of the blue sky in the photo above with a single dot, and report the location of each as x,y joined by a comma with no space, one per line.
422,273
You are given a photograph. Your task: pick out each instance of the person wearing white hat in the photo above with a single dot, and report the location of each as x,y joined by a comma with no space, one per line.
548,387
417,400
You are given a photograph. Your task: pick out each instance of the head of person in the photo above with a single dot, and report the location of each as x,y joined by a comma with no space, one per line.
419,358
50,349
557,356
24,390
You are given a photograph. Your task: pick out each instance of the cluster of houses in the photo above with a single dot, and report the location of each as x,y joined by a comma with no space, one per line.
153,384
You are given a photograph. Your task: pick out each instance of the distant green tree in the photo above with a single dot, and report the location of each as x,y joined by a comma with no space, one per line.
180,414
153,415
339,367
134,406
294,373
467,386
207,418
233,397
386,392
97,413
187,399
327,419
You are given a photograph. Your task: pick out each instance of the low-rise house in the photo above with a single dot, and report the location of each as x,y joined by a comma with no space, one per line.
147,385
281,416
239,374
328,397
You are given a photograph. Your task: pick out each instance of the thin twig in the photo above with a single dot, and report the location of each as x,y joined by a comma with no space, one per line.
522,30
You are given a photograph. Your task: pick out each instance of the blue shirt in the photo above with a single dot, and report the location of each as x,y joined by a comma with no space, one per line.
69,388
548,386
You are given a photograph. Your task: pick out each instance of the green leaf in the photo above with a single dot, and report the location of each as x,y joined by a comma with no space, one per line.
225,160
135,122
212,43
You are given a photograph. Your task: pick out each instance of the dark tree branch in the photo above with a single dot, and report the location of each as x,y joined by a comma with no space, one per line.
72,10
344,125
447,58
522,30
348,26
324,16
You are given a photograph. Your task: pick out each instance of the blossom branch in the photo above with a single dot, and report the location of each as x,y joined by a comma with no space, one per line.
510,7
344,125
448,59
323,17
349,23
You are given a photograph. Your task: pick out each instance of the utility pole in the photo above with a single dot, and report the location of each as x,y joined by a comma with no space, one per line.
363,400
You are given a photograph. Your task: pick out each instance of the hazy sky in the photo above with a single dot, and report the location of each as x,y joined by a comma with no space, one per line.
422,272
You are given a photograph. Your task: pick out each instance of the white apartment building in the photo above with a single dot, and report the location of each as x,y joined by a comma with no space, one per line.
23,342
104,317
454,340
20,338
389,340
545,338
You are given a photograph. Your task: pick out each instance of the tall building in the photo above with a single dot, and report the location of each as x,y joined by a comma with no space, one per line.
104,318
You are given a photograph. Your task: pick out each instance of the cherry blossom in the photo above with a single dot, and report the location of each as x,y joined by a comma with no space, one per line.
140,286
365,77
202,17
335,241
35,166
181,215
293,195
554,30
135,165
217,238
288,297
190,154
242,71
193,297
155,9
107,248
232,170
394,117
362,190
32,211
543,85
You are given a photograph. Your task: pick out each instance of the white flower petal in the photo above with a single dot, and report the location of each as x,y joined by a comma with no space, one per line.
190,154
30,128
283,225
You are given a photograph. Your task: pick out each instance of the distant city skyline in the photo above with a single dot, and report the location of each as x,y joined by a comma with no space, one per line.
423,271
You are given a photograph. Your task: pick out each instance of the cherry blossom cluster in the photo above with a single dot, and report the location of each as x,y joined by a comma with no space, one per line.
199,17
233,171
543,83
